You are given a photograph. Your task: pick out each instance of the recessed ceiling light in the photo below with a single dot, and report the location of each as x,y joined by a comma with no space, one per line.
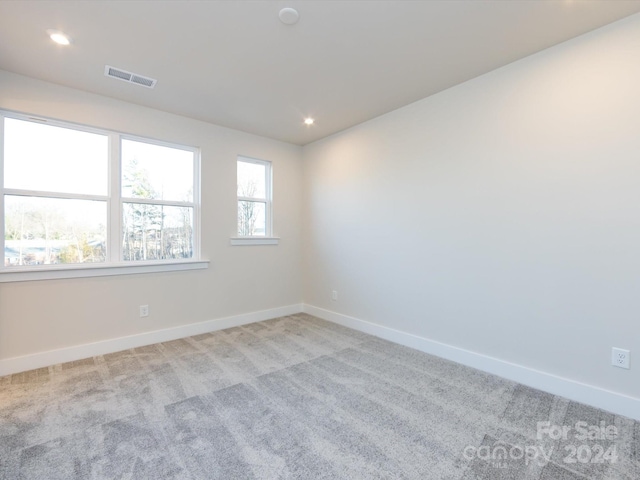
308,121
289,16
59,37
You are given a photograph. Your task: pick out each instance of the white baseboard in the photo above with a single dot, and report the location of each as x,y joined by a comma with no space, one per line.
43,359
588,394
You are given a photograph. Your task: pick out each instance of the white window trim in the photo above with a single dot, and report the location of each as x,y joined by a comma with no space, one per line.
114,264
268,238
246,241
80,270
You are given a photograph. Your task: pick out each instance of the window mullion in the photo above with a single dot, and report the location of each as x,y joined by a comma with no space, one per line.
154,201
43,194
268,206
2,191
114,222
252,199
196,232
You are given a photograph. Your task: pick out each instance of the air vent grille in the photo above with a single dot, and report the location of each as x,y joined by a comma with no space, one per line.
147,82
129,77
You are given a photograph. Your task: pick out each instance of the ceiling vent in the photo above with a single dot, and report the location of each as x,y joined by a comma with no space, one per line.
129,77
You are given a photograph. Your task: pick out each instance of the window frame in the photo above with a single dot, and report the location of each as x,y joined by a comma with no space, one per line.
114,263
268,238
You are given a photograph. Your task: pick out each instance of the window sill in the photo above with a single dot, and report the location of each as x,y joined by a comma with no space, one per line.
255,241
53,272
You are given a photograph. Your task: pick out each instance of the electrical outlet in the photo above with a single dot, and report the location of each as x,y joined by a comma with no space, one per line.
334,295
144,310
620,357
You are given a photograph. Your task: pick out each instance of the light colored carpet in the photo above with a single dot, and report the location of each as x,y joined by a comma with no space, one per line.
295,397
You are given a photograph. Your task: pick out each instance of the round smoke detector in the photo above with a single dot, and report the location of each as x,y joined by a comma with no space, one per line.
289,16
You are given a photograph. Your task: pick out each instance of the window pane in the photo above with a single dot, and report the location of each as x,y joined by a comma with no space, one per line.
251,219
54,159
251,180
156,172
156,232
52,230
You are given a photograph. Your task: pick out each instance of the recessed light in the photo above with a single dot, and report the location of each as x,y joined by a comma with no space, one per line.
59,37
308,121
289,16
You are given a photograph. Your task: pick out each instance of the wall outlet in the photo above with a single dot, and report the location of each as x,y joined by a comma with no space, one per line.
144,310
620,357
334,295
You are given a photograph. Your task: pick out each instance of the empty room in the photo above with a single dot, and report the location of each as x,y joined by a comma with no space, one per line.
320,239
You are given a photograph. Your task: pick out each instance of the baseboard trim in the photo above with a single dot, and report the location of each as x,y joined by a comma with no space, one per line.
43,359
588,394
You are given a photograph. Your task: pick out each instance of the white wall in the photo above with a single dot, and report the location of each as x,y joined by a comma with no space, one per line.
501,216
46,315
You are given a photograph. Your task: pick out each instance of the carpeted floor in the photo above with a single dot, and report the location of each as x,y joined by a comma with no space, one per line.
297,397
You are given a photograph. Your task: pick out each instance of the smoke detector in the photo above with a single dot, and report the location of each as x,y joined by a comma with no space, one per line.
129,77
289,16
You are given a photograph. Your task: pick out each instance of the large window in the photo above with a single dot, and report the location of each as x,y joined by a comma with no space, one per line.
75,195
254,198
